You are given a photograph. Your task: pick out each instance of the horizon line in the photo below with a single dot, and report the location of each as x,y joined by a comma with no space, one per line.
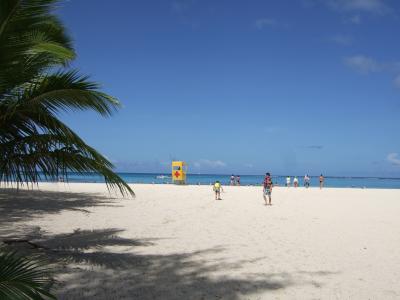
213,174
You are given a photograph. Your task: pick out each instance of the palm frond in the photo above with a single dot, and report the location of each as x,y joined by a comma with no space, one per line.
24,277
68,91
31,41
33,141
26,159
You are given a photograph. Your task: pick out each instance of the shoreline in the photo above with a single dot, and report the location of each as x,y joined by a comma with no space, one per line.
24,186
245,175
246,180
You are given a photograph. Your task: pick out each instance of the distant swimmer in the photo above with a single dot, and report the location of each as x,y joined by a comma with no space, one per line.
288,181
321,181
267,189
295,182
306,181
217,189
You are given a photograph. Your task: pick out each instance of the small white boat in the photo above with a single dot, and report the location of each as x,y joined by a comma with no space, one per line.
162,176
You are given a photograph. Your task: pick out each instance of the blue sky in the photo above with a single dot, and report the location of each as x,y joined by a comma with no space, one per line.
244,87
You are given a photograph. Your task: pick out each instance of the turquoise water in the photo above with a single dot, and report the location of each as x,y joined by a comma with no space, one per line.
367,182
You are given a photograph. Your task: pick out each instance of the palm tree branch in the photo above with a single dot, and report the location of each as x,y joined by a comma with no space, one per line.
67,91
8,12
24,277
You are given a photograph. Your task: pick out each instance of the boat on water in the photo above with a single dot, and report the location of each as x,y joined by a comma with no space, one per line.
162,177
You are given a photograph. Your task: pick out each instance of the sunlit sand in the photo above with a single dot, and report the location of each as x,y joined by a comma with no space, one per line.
177,242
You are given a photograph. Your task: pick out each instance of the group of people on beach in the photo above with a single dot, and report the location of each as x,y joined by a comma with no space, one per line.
235,180
306,181
267,185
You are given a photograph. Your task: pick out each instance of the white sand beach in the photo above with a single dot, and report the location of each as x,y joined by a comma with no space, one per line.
177,242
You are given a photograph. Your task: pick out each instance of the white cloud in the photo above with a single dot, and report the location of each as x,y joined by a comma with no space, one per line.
368,6
271,129
154,166
363,64
317,147
180,6
341,39
265,22
396,81
393,159
354,20
209,163
268,22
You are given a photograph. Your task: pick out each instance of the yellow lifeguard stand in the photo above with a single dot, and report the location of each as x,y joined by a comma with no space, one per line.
179,169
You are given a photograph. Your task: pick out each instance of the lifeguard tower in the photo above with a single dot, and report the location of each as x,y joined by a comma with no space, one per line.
179,169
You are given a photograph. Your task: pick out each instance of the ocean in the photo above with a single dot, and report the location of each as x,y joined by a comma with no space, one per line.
206,179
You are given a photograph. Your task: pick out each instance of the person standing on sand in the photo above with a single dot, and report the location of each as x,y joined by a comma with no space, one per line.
321,181
306,181
295,182
288,181
233,179
238,180
267,190
217,189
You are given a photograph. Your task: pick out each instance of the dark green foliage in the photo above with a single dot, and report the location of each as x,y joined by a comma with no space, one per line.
23,277
33,141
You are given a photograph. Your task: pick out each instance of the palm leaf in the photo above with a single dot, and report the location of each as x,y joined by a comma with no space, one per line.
24,277
67,91
31,41
33,141
26,159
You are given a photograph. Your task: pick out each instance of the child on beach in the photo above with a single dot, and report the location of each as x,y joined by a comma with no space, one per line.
233,179
238,180
217,189
295,182
321,181
267,190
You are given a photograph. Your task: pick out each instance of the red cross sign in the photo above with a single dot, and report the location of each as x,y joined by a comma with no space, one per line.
176,174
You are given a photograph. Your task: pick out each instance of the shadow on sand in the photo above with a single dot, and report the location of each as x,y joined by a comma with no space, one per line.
89,268
19,206
100,264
